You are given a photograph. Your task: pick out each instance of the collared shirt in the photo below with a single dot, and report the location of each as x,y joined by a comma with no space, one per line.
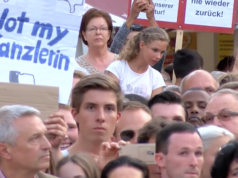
2,176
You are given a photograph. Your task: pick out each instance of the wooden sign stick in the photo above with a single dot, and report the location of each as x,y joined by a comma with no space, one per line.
178,45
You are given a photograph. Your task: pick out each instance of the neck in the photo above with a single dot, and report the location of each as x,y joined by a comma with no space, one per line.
14,171
164,174
178,81
84,145
138,64
97,52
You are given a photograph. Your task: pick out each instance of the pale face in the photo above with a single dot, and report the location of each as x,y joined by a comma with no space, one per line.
173,112
132,120
72,132
97,116
210,154
224,102
70,170
98,38
32,148
153,51
233,172
195,102
184,158
201,80
126,172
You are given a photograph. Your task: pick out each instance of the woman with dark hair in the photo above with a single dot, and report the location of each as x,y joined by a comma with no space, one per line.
125,167
226,162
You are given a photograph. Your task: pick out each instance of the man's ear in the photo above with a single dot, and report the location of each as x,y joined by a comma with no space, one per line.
5,151
160,160
118,116
74,113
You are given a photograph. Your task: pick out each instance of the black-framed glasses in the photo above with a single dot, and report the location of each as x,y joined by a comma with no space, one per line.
223,115
127,135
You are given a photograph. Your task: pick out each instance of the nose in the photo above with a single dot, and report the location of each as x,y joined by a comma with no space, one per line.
159,56
217,122
98,31
193,160
100,115
46,144
194,110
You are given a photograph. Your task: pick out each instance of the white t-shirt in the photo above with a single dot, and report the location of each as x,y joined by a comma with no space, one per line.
134,83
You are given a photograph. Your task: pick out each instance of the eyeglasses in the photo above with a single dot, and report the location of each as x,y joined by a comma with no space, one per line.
94,29
127,135
222,115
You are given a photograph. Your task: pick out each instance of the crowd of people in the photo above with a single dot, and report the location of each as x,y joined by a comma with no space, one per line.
122,96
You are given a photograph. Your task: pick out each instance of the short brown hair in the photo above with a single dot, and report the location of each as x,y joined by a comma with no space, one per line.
229,77
93,13
133,105
95,82
85,161
230,85
79,74
151,128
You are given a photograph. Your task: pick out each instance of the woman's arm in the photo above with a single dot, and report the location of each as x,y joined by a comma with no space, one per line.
156,91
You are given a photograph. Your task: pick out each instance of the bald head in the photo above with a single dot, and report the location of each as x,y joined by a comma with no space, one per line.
200,79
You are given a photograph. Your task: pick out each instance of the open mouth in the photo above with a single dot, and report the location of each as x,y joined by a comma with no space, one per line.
65,146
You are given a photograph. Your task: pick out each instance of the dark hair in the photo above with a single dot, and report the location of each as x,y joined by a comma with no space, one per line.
169,69
134,97
125,161
166,97
151,128
186,61
172,88
162,138
225,63
134,105
93,13
223,160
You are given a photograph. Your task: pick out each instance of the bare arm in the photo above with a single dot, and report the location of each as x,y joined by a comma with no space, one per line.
156,91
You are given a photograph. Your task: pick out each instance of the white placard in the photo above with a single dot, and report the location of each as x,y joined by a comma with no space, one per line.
214,13
38,40
165,10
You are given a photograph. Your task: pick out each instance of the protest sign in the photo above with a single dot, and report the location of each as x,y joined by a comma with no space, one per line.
38,42
43,98
214,13
164,10
198,15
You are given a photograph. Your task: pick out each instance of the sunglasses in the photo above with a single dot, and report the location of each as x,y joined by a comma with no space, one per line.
222,116
127,135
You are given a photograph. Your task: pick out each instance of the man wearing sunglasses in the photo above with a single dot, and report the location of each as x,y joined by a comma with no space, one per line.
222,110
133,117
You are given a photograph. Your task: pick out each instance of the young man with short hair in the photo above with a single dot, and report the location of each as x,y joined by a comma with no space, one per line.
96,102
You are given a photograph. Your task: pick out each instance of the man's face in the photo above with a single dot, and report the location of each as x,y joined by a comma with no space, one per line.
184,158
222,103
173,112
132,120
195,102
97,115
72,132
31,151
201,80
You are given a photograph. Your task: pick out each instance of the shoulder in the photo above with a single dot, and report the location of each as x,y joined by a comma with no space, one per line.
155,72
44,175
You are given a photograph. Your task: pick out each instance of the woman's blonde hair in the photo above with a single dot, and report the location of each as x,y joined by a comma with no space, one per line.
147,35
85,161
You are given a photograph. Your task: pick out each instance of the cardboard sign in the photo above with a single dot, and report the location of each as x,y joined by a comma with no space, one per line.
198,15
43,98
38,40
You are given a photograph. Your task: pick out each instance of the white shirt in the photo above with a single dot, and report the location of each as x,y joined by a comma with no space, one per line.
134,83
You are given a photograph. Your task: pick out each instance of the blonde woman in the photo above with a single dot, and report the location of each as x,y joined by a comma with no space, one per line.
133,71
